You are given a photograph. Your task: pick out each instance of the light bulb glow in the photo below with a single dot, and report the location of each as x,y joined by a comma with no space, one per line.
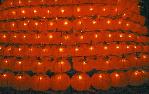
100,76
76,49
61,49
105,48
108,22
19,77
80,77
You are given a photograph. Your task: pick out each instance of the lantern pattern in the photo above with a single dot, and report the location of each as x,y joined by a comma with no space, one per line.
61,36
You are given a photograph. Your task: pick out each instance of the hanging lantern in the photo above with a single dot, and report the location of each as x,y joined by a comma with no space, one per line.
118,79
6,79
136,77
60,66
80,82
22,82
6,64
60,82
101,81
40,82
82,65
40,66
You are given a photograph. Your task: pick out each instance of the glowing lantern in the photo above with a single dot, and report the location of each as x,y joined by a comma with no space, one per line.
82,65
60,66
101,81
60,82
118,79
22,82
6,79
136,77
80,82
40,66
40,82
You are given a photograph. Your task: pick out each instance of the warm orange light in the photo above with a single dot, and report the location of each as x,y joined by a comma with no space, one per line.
40,78
35,11
6,61
144,56
36,23
105,48
121,35
24,36
117,47
59,77
127,24
94,22
117,75
19,62
110,35
104,9
84,63
78,9
96,35
65,23
81,37
62,10
76,49
91,48
39,63
25,24
14,36
61,49
4,36
66,37
80,77
119,22
128,47
61,62
108,22
50,36
107,62
4,75
13,12
100,76
23,11
19,77
91,9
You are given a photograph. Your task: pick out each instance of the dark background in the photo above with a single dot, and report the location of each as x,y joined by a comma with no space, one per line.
144,89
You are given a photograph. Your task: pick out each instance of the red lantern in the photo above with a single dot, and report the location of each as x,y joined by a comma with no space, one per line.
64,25
40,66
60,66
6,64
118,79
12,26
4,37
82,65
22,82
101,81
80,82
60,81
136,77
6,79
144,60
40,82
64,11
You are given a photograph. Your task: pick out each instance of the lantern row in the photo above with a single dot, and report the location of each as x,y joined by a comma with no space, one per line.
62,51
16,3
79,81
119,4
63,25
62,38
64,11
79,64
